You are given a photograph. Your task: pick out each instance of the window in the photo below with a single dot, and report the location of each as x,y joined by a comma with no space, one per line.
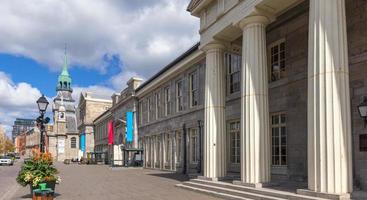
279,139
178,146
167,101
277,61
157,104
168,148
194,89
73,142
234,131
233,63
179,95
363,142
149,109
194,143
141,112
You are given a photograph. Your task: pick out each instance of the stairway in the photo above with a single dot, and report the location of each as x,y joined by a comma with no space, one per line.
237,192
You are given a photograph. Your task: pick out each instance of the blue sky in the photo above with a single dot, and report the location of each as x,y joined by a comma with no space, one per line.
22,69
108,42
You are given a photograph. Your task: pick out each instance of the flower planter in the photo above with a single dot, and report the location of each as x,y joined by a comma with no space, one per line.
49,184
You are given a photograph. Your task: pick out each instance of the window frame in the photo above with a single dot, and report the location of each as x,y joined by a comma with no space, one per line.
194,91
235,151
282,69
229,62
194,143
278,126
179,96
167,101
178,154
71,143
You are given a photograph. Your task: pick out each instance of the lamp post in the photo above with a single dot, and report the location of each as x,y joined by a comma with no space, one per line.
42,107
362,108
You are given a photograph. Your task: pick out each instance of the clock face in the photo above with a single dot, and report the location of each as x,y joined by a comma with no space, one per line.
61,115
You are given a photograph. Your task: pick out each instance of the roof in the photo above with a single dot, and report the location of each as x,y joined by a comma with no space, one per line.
192,5
170,65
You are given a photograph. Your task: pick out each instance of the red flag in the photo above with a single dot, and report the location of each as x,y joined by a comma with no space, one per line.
110,133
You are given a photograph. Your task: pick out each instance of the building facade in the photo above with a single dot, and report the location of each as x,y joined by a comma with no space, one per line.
273,88
21,126
89,108
20,143
64,139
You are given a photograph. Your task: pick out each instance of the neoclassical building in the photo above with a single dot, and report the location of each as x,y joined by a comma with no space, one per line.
269,95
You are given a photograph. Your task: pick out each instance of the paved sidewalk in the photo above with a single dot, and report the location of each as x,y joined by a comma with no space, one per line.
97,182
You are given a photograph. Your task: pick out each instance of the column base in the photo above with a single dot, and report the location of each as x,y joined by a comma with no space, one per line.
212,179
253,185
323,195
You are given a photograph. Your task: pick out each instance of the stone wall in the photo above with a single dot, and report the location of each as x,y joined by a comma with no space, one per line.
356,11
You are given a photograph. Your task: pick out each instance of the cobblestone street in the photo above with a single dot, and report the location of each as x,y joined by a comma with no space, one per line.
101,182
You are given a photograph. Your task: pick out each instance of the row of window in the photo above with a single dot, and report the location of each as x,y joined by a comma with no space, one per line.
154,108
170,143
278,143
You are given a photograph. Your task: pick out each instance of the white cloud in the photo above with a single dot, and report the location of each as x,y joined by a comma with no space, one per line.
96,89
145,34
16,100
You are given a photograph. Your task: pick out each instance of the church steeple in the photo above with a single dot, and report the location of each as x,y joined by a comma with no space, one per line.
64,80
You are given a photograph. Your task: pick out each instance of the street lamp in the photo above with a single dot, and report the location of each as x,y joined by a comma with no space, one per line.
41,121
362,108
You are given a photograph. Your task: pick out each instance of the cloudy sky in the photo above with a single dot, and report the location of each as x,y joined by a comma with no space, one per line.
107,42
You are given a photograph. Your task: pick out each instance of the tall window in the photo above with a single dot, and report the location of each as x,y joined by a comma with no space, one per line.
167,101
168,148
149,109
277,60
179,95
73,142
178,146
234,131
233,63
279,139
157,104
194,89
194,143
141,112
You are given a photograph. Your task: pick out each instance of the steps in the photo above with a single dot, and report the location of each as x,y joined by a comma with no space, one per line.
238,192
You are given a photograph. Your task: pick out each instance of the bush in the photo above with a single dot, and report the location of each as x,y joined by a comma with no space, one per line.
38,169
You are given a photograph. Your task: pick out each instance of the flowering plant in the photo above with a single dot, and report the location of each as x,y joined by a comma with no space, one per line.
38,169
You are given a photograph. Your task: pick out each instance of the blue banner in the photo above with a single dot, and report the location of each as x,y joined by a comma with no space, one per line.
129,127
82,142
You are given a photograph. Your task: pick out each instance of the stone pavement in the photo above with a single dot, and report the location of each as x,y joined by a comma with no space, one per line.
8,184
100,182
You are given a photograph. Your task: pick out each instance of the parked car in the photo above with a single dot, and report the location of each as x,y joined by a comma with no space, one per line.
6,160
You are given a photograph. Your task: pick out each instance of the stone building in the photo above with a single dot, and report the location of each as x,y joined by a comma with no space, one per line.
273,87
90,106
64,138
32,141
123,104
101,124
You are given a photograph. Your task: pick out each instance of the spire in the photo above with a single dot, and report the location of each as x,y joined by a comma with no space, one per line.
65,65
64,80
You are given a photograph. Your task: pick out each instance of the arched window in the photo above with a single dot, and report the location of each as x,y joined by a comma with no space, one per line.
65,84
73,142
60,84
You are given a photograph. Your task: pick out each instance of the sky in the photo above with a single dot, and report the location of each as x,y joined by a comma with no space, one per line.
107,43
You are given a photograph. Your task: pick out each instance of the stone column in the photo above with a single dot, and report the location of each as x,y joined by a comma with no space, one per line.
214,113
255,136
136,136
329,120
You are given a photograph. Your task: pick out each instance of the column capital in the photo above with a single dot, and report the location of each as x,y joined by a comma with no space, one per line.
254,19
214,45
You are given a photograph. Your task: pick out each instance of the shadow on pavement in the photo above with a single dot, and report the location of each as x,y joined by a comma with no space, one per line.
29,196
174,176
